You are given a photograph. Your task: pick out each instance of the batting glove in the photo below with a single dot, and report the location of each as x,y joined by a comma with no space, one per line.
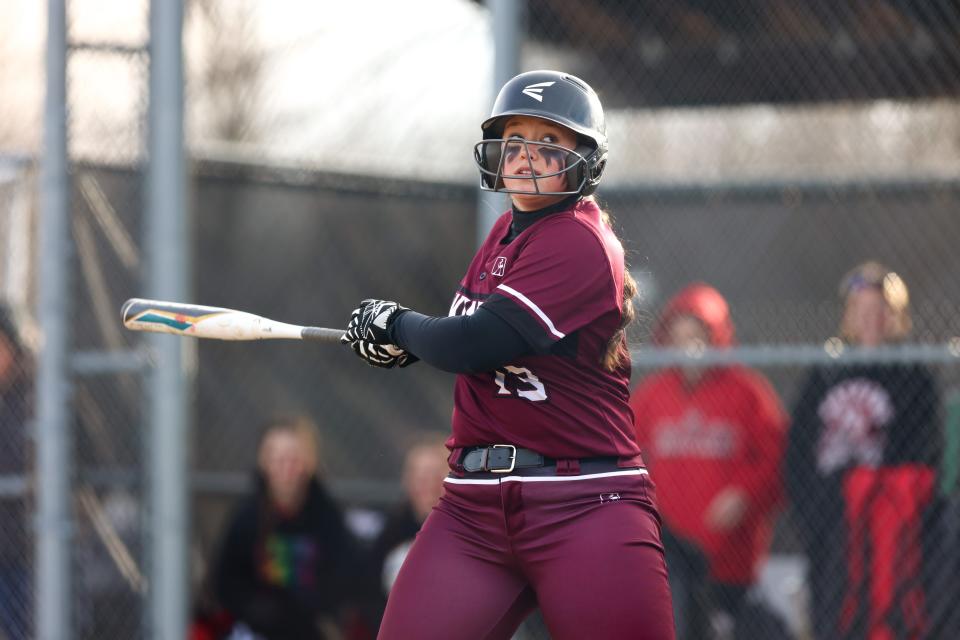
385,356
368,334
370,322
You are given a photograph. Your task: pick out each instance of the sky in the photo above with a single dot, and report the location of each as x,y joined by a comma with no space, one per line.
21,72
354,85
414,85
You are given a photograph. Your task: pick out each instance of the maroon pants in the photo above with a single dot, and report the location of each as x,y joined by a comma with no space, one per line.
585,549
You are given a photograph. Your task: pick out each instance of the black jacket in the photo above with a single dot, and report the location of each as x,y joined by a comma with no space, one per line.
278,574
901,404
16,400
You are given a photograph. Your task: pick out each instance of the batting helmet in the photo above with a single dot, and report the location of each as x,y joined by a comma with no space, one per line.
557,97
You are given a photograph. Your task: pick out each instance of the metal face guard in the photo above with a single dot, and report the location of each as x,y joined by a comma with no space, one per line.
499,150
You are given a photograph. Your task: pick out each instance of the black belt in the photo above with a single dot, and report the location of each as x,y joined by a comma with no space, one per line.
501,458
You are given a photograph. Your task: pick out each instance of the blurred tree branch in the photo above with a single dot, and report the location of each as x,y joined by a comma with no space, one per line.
227,80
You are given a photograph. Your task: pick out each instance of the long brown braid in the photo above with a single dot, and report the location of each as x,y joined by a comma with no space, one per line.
617,353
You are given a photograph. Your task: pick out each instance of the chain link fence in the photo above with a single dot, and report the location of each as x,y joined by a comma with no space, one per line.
764,148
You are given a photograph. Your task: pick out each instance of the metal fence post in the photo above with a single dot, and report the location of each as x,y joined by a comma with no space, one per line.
506,19
167,247
53,522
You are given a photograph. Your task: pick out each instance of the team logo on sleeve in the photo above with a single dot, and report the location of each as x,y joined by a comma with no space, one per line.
499,266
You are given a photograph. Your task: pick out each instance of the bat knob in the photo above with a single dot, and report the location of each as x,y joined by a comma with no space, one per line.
125,309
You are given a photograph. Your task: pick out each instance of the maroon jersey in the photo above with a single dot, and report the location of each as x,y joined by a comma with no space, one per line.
559,283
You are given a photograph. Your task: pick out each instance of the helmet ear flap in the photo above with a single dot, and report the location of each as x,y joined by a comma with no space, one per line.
595,165
585,174
596,170
488,156
599,167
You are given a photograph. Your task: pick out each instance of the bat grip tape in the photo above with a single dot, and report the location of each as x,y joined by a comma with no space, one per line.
321,334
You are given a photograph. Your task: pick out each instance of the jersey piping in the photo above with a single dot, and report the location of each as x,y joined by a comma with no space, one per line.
586,476
533,307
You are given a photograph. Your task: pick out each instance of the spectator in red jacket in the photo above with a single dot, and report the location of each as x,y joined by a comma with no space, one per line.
713,438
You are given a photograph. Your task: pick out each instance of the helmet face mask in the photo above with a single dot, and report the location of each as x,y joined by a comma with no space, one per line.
493,156
558,98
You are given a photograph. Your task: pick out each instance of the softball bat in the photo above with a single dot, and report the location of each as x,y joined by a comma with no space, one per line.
217,323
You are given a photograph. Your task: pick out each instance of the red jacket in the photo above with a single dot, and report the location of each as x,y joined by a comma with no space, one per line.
726,430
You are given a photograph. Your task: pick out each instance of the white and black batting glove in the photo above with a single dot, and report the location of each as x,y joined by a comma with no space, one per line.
385,356
370,321
368,334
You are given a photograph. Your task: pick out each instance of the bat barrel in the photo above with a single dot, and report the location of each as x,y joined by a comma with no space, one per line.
138,306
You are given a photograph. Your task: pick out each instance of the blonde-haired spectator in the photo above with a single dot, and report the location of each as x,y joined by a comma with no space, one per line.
876,306
424,468
287,564
860,471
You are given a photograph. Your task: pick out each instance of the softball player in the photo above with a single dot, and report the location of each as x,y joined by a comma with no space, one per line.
548,503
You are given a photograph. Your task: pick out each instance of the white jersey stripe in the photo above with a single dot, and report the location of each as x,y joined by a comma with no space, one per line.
586,476
527,301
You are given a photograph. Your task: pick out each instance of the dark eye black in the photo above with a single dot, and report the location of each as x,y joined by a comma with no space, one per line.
513,148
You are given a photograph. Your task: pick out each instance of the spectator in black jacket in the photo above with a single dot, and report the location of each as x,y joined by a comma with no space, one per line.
861,462
16,387
287,563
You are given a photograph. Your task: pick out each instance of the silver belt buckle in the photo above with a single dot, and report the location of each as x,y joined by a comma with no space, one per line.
513,458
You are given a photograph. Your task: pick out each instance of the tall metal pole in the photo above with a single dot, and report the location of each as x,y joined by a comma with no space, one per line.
506,23
167,251
52,606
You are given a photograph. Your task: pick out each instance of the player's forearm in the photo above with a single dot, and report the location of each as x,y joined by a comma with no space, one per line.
459,344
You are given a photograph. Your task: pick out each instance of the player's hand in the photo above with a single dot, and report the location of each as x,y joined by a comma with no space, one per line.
368,334
370,321
385,356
